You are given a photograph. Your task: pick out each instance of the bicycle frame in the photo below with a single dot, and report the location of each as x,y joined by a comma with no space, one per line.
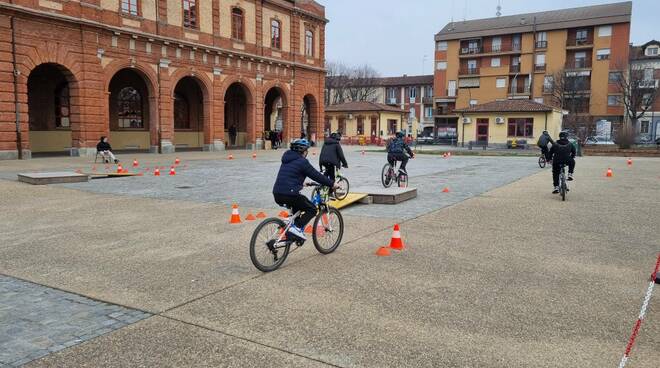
324,194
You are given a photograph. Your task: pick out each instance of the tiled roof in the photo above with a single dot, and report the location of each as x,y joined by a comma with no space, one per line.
547,20
357,106
637,52
508,106
415,80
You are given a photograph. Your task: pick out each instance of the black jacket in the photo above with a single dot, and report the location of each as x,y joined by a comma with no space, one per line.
562,151
291,177
331,153
398,146
103,146
544,139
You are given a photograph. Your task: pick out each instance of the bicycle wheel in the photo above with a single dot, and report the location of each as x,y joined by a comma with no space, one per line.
403,180
328,230
265,253
387,175
542,162
342,192
562,187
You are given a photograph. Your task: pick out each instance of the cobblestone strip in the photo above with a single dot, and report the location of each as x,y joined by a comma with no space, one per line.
37,320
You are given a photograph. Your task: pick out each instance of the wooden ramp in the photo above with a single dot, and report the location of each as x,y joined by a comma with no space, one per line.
380,195
52,178
350,199
99,175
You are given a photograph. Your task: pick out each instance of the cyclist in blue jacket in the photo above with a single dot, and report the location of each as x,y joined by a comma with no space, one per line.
290,181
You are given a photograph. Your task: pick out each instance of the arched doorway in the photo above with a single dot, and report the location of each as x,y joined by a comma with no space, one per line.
129,111
188,115
309,118
275,114
236,115
49,109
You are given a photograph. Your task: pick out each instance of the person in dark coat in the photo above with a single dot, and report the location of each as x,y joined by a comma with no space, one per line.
562,152
232,135
396,151
290,180
272,135
543,141
332,156
104,148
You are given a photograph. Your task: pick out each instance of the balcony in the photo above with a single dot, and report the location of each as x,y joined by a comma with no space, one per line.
514,68
490,49
579,42
648,84
541,44
471,50
427,100
469,71
580,63
539,68
444,110
519,90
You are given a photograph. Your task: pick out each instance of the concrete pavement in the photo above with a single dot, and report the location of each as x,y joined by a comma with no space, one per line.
505,275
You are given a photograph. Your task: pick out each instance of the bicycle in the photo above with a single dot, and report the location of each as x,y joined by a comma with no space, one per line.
542,161
563,187
269,246
344,186
391,174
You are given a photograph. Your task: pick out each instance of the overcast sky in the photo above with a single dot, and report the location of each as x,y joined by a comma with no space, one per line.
394,35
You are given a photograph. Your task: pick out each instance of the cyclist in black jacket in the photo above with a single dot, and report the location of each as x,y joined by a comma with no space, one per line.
396,151
332,156
562,152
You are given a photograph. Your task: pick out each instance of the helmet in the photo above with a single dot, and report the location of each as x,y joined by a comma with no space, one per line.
545,132
399,134
299,145
335,136
563,135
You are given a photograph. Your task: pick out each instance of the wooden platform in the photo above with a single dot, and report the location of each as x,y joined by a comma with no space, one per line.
99,175
52,178
380,195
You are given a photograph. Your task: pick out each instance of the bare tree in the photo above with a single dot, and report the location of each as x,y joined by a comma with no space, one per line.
638,89
569,91
344,83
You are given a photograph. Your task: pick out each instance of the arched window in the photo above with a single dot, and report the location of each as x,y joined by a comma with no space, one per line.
129,108
181,112
62,107
309,43
237,24
275,34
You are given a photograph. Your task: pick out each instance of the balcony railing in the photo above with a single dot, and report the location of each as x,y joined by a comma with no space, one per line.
539,67
579,42
469,71
578,64
444,110
516,47
488,49
514,68
541,44
427,100
648,83
471,50
519,90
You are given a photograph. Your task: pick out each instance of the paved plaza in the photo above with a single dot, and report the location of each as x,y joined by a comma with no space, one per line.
147,271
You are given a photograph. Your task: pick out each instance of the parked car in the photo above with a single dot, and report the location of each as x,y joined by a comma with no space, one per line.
598,141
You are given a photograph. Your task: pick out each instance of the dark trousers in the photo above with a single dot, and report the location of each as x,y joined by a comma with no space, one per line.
555,169
546,152
329,170
298,203
392,157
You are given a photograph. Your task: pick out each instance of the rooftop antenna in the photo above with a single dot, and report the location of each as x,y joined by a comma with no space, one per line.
499,8
465,9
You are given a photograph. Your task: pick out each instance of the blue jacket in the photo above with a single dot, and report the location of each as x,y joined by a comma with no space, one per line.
291,177
397,146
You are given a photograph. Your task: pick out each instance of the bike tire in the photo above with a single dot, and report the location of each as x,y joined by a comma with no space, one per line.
386,176
542,162
255,240
344,186
402,181
319,243
562,187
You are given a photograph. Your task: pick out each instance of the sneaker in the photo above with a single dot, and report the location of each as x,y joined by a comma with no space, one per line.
556,191
570,177
402,172
116,161
297,232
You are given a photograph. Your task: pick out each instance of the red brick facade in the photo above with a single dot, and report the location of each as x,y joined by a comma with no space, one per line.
89,45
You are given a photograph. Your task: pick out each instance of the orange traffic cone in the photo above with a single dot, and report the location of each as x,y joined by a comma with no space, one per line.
254,155
157,172
177,161
308,229
283,214
396,242
135,163
609,173
231,157
446,190
250,217
124,171
172,171
630,162
383,252
120,169
261,215
235,217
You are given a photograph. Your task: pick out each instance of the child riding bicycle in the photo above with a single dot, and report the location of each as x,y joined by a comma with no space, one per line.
562,153
396,151
332,156
290,180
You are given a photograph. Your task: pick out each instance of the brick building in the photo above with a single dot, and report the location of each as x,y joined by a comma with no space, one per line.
157,75
520,56
646,57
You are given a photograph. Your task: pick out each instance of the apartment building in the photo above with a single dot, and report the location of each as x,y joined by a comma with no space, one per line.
646,57
413,94
157,75
519,57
